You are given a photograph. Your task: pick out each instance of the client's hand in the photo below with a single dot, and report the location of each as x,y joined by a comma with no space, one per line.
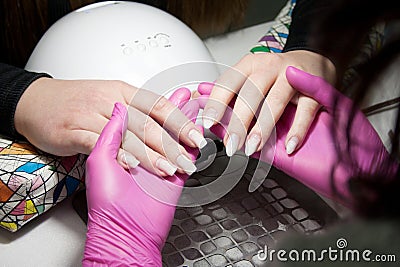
130,214
331,153
260,83
65,117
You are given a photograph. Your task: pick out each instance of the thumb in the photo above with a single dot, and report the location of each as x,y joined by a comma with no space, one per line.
316,88
180,96
111,136
205,88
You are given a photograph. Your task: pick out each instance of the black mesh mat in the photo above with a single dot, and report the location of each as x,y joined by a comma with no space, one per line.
231,230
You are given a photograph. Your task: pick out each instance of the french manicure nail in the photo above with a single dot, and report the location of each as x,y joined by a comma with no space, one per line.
130,160
291,145
197,138
165,166
232,144
209,117
186,164
252,144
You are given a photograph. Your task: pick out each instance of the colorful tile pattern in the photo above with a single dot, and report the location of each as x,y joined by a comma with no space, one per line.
32,182
275,39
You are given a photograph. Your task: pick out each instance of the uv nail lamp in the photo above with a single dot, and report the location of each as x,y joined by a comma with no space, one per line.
125,41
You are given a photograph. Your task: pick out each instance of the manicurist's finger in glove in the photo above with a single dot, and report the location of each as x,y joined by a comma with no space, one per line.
130,212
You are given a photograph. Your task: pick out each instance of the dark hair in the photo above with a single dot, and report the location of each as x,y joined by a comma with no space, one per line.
24,22
209,17
339,35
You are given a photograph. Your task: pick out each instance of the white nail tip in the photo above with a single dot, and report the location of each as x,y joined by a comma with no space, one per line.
291,145
208,123
232,145
209,117
186,164
165,166
252,145
131,161
197,138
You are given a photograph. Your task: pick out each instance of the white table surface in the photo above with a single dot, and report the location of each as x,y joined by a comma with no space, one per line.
57,237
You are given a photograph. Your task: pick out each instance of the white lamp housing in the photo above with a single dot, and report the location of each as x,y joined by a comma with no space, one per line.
121,40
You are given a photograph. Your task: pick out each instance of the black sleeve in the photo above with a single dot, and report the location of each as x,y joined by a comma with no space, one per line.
13,83
305,13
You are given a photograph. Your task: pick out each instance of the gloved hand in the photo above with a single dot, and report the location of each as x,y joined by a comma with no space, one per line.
130,214
331,154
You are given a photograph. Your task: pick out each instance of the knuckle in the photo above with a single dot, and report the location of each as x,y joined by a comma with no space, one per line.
168,144
276,100
122,90
253,89
84,142
162,105
150,127
119,85
271,58
248,58
310,109
308,106
168,147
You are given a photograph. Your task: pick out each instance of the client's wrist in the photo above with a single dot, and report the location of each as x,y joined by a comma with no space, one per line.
25,103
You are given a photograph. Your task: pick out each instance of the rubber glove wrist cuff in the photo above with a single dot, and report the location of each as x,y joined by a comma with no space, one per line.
112,242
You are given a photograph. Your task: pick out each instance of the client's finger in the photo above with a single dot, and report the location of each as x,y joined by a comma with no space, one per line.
111,136
306,110
317,88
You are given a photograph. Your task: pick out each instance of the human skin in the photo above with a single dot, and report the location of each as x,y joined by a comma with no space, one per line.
65,117
338,147
259,85
128,225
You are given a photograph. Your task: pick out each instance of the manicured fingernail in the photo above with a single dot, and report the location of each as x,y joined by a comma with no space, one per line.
209,117
291,145
130,160
232,144
165,166
186,164
252,144
197,138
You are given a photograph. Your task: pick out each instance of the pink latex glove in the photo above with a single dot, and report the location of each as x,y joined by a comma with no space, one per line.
130,214
325,160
